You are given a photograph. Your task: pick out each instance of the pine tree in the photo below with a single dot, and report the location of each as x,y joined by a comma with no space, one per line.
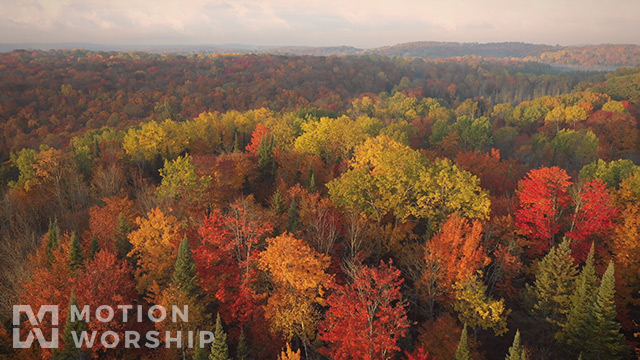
311,180
184,273
242,352
554,285
53,239
603,330
75,254
277,203
95,246
265,155
516,351
200,353
70,351
219,348
573,335
294,217
122,244
463,352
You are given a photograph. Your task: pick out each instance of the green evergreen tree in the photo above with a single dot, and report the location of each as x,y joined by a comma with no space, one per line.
311,180
53,239
463,352
184,273
242,352
265,155
122,244
603,330
70,351
75,254
294,217
516,351
573,335
95,246
219,347
554,285
200,353
277,203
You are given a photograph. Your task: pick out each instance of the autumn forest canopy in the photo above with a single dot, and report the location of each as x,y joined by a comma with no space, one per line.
325,207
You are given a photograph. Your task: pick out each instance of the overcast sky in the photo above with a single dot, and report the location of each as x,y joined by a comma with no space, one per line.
364,24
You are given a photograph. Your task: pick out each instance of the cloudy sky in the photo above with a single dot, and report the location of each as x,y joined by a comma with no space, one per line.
357,23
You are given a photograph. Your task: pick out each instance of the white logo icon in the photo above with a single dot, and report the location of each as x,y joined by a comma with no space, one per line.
26,309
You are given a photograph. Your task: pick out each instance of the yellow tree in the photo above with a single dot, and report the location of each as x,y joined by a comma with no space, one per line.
575,114
556,116
445,189
155,246
382,179
476,309
299,282
288,354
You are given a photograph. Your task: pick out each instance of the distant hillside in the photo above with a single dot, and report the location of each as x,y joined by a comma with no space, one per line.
437,50
602,57
592,57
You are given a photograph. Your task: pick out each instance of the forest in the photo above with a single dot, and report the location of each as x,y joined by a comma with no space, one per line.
311,207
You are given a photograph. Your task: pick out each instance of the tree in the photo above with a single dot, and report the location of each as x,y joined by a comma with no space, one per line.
226,262
573,334
442,337
611,173
259,134
75,254
106,222
180,184
122,245
53,239
593,217
242,352
386,177
463,352
155,246
293,222
366,318
626,251
605,340
95,247
445,189
288,354
299,278
200,352
476,309
453,255
382,179
219,347
544,199
332,139
556,117
418,354
516,351
573,149
555,283
106,281
184,272
70,351
265,155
